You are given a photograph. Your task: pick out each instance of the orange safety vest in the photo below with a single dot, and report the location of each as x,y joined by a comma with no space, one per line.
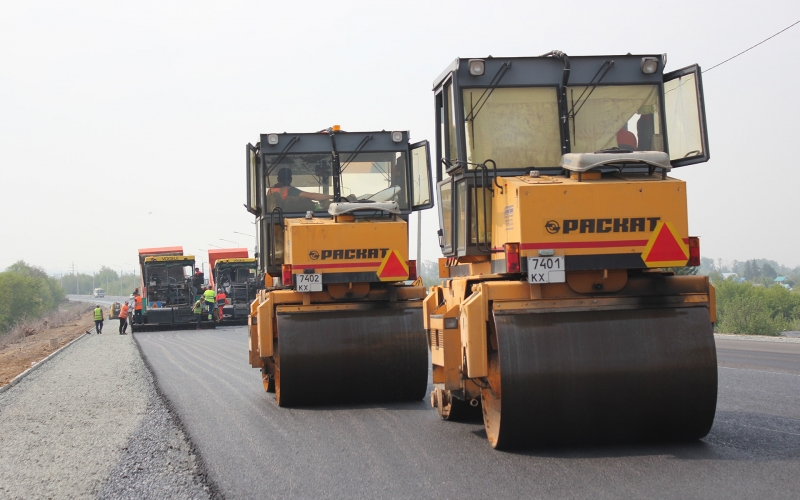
123,313
138,300
284,191
221,297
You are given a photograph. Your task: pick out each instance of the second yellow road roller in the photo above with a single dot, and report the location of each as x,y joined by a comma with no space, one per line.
339,316
559,315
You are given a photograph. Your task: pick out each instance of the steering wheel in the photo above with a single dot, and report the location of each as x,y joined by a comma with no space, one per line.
385,195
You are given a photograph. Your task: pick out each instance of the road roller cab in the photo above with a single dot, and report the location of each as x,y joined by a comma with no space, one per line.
558,223
332,210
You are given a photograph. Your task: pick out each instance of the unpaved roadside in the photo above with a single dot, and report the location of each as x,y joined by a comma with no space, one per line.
19,355
89,423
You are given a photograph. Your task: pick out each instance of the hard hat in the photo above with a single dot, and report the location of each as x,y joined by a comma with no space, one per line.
285,175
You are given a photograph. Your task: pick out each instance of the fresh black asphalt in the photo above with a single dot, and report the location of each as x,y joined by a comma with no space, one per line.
254,449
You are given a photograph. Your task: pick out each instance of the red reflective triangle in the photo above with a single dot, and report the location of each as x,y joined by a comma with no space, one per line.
394,267
666,248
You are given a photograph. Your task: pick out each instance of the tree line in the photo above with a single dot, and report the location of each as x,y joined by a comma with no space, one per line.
28,292
111,281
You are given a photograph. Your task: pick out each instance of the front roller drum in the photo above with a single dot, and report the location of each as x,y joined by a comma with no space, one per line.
600,377
351,356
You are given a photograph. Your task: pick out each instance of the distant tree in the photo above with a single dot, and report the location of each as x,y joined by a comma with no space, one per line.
748,271
429,272
706,266
768,272
756,269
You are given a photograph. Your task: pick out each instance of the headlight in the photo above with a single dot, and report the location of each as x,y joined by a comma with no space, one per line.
397,137
649,65
476,67
272,139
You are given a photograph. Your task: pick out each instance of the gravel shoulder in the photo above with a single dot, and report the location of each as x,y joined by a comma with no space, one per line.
89,423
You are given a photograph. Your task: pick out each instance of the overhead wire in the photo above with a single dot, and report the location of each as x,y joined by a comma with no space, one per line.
754,46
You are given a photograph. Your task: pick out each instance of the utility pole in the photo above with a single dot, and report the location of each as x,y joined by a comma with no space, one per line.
77,289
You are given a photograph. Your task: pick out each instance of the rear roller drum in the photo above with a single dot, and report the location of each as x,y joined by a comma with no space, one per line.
378,354
600,376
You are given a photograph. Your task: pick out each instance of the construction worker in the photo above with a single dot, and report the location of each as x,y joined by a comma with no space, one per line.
123,319
210,297
137,307
197,279
222,301
197,309
98,319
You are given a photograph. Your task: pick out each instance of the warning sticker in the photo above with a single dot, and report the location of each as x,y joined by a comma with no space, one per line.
665,247
392,268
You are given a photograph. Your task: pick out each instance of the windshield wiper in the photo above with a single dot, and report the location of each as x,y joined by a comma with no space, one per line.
356,151
294,140
487,92
601,73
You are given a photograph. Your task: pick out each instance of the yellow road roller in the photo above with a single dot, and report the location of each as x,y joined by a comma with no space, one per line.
337,319
560,315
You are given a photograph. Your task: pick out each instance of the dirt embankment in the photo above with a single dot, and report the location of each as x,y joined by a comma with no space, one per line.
32,341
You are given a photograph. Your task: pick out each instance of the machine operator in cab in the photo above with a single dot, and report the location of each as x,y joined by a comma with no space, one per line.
284,188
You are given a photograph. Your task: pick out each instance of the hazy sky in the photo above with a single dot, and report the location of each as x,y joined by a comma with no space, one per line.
123,124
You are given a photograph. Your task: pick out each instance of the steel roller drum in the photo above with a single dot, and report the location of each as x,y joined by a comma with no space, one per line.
348,356
601,376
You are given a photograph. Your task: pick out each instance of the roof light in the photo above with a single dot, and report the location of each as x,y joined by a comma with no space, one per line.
272,139
649,65
397,136
476,67
336,128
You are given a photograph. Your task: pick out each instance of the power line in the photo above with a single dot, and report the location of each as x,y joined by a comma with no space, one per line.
754,46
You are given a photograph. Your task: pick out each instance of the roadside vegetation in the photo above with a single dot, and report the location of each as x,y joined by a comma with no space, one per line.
28,293
746,308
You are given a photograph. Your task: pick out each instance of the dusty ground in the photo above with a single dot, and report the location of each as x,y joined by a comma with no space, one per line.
19,355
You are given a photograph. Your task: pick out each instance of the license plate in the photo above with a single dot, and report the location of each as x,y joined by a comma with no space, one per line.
309,282
546,270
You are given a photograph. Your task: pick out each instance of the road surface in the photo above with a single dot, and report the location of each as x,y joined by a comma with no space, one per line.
252,448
